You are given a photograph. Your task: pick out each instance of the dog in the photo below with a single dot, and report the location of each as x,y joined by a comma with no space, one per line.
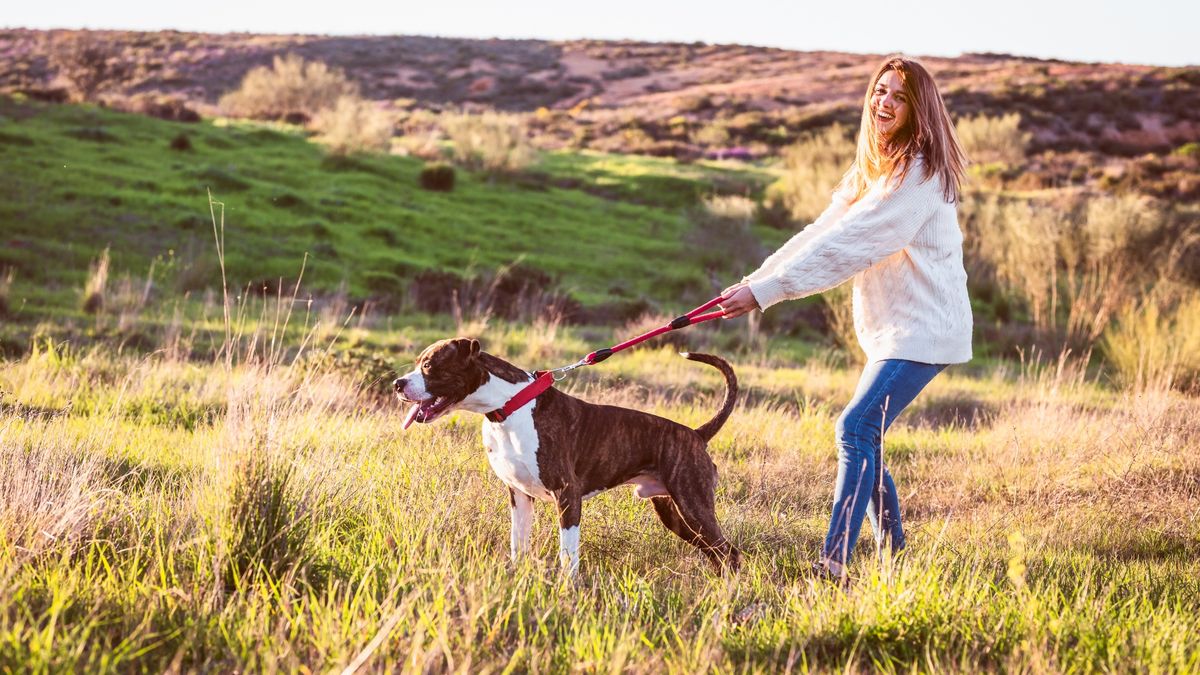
561,449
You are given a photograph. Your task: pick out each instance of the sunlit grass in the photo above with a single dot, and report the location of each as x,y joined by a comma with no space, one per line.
1050,522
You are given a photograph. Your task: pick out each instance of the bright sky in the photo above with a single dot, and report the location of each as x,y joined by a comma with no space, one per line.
1161,32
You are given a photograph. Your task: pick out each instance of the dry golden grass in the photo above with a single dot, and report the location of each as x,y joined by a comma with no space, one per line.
989,140
813,167
290,85
353,125
261,514
490,141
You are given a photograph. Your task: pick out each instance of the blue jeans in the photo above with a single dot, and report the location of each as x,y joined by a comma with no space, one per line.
884,390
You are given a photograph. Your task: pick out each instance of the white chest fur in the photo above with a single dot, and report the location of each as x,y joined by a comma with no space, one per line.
512,452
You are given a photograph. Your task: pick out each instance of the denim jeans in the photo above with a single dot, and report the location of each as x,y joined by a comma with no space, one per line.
884,390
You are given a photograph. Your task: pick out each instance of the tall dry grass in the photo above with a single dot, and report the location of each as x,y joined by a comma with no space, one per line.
1074,263
6,281
1155,344
353,126
812,168
291,85
492,142
300,529
988,140
96,286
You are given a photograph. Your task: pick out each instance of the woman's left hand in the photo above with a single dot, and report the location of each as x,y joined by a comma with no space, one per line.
741,301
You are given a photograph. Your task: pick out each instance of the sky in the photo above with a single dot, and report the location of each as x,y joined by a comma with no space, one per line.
1157,32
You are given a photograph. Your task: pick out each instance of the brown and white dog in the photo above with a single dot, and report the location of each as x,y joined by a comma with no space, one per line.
560,449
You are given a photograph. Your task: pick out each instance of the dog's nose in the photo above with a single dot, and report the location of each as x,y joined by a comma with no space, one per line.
398,385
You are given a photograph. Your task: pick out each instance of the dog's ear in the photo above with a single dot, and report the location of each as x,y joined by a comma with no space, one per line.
467,348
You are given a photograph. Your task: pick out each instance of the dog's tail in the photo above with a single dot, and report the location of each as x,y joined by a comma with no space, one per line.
711,427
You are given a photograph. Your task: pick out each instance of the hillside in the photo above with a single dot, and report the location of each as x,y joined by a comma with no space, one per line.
79,179
763,97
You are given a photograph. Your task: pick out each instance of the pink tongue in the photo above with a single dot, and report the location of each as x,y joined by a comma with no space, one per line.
412,415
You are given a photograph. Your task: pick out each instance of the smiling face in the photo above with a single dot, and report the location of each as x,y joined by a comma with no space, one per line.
890,104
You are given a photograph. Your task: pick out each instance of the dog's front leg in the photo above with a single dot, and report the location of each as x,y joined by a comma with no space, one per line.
521,510
569,507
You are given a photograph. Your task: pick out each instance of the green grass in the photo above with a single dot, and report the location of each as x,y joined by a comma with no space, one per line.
80,178
166,514
173,497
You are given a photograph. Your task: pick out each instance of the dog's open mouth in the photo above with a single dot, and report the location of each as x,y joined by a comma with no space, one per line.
427,411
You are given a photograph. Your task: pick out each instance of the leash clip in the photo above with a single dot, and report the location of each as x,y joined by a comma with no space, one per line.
560,374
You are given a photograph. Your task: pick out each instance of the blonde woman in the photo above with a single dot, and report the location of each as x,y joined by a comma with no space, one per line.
892,227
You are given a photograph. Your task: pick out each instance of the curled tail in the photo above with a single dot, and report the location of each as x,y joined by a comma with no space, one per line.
711,427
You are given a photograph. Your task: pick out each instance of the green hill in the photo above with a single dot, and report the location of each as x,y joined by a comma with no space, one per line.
607,231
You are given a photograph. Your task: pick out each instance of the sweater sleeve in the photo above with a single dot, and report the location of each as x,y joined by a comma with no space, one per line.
878,226
837,207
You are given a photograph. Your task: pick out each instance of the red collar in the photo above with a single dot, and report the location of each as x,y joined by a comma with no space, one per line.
542,380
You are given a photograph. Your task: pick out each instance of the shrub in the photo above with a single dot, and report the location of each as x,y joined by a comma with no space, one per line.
181,142
491,142
291,85
96,285
1157,344
353,126
270,525
89,64
162,107
6,280
721,239
814,165
438,177
715,135
993,139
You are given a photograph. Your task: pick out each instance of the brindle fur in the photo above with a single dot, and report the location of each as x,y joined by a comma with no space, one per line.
585,448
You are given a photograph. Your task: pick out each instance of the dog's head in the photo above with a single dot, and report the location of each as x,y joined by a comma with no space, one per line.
447,372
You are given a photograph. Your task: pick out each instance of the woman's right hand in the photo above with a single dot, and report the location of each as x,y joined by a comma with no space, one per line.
738,301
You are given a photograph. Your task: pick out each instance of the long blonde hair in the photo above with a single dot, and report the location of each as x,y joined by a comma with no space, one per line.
929,132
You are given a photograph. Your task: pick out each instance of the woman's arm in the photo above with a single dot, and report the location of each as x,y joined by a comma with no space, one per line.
876,227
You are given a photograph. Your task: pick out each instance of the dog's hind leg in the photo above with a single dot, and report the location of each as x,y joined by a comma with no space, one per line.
521,509
569,507
690,511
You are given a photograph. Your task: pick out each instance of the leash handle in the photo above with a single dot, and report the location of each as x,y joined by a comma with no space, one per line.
682,321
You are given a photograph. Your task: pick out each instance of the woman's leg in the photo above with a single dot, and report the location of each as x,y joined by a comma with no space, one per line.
884,390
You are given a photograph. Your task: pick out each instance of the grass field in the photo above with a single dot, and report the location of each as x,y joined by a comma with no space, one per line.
180,492
78,179
162,514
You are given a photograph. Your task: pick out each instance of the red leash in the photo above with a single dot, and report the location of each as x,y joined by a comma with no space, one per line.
691,318
544,379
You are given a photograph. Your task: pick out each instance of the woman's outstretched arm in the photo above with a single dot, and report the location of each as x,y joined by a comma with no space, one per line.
876,227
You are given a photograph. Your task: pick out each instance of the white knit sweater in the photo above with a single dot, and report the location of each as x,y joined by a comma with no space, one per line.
903,247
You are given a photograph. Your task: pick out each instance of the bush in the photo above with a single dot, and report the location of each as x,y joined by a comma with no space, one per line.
181,142
353,126
491,142
6,280
89,64
722,240
292,85
438,177
270,525
1157,344
97,284
993,139
814,166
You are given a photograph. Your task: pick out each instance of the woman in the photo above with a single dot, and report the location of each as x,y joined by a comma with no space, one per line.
892,227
